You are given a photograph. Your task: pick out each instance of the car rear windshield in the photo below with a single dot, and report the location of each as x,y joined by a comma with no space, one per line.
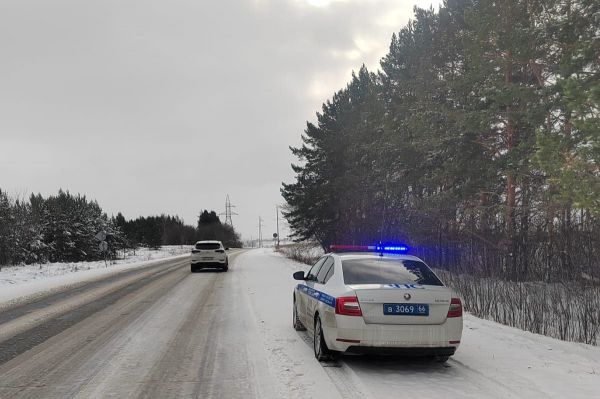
208,245
387,271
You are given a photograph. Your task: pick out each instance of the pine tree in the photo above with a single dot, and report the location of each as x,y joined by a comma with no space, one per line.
480,132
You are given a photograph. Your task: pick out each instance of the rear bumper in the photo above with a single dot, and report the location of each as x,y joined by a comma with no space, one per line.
416,352
351,333
214,261
200,264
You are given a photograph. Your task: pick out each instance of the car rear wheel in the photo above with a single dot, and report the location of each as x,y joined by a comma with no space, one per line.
322,352
296,320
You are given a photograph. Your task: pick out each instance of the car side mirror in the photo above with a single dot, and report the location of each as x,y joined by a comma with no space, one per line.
299,276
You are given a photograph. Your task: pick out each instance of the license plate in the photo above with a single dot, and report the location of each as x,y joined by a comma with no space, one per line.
406,309
205,258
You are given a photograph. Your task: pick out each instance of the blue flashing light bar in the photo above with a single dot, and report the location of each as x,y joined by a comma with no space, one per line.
393,248
380,248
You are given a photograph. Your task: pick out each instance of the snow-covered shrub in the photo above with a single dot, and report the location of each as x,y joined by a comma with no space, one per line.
304,252
568,311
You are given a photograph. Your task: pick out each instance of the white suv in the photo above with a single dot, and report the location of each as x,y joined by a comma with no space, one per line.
209,254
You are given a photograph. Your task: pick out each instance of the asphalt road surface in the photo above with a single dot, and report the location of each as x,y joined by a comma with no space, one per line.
159,332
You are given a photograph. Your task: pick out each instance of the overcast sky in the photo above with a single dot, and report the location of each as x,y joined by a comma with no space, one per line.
166,106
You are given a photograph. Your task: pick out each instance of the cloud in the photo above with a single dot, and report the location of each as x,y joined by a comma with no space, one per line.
153,106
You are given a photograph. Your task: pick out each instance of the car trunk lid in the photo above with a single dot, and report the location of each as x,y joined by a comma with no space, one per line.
403,298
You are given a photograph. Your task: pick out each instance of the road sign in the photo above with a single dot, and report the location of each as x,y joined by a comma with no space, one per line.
103,246
101,236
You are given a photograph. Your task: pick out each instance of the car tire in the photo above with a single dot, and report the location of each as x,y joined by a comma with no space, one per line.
298,326
225,268
193,269
441,359
322,352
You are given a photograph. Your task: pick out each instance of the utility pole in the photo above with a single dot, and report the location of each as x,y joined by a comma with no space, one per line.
228,211
260,232
277,212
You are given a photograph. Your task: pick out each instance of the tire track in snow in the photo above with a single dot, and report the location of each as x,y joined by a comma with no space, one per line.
507,389
343,377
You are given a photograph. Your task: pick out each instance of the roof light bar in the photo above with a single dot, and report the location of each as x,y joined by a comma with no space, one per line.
381,248
349,248
392,248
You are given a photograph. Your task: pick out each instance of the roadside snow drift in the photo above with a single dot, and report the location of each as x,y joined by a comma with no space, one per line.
26,280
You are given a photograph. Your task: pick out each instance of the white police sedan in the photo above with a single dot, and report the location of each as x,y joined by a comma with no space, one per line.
383,301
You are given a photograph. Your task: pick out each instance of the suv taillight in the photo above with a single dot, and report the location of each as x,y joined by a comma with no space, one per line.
348,306
221,251
455,308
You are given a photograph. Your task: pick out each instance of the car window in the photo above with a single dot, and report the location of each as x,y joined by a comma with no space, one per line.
208,245
387,271
327,265
312,273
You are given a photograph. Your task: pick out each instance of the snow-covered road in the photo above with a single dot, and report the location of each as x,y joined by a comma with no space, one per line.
167,333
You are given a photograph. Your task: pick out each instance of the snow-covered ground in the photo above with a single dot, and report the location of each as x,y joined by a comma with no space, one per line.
25,280
242,330
493,360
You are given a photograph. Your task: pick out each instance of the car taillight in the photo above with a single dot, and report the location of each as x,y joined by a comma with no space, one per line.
348,306
455,308
195,251
221,251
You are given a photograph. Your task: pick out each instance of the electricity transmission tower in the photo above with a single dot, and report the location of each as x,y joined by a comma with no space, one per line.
228,212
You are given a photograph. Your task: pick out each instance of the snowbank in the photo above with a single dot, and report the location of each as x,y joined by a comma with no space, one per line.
27,280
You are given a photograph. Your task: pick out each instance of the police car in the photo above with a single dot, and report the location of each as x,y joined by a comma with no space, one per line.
376,299
209,254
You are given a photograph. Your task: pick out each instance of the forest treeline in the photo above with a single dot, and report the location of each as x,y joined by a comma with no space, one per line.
154,231
63,228
477,143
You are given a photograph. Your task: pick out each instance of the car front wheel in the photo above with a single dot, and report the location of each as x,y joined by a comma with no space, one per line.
296,320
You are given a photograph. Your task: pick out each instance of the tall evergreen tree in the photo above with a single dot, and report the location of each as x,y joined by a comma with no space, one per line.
478,139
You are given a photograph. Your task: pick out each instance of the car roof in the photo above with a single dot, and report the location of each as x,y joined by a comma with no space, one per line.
373,255
208,242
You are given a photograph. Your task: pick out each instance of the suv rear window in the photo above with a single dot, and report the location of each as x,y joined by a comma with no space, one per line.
388,271
208,245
